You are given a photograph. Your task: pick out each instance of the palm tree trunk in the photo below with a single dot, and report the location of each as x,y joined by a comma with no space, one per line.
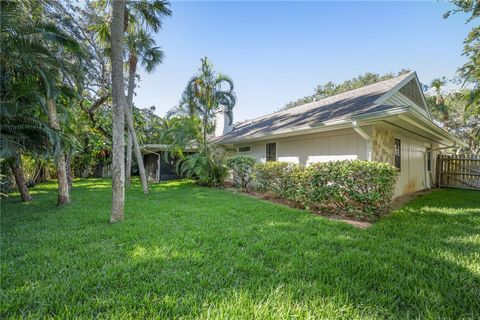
69,172
132,135
118,114
16,166
63,189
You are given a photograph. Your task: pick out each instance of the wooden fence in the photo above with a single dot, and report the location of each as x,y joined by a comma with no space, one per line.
460,171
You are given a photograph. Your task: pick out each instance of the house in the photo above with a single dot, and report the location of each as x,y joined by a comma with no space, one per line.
387,121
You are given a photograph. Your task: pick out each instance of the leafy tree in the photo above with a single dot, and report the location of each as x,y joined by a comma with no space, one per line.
330,88
469,73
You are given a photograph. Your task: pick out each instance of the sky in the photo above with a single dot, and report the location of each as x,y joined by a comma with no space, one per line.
276,52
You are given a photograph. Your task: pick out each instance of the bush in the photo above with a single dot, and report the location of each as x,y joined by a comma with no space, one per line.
360,189
242,170
210,171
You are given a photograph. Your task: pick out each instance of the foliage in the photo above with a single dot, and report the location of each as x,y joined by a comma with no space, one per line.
469,73
454,115
191,252
242,168
208,169
330,88
360,189
207,93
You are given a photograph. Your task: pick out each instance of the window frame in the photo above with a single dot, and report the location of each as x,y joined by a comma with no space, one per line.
268,157
249,149
429,159
397,153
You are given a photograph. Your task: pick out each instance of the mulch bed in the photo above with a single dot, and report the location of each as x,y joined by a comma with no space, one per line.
268,197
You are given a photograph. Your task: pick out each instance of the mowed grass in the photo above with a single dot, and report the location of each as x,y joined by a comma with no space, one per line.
191,252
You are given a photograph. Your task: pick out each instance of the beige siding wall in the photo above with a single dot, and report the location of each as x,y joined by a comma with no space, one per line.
413,176
319,147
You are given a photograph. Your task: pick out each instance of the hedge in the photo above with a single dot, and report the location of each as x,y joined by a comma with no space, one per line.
355,188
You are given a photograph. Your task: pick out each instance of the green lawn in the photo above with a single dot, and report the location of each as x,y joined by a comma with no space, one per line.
192,252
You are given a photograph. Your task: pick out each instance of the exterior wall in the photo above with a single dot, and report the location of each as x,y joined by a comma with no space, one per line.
311,148
413,176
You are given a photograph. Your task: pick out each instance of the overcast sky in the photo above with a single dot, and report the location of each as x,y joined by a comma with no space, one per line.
277,52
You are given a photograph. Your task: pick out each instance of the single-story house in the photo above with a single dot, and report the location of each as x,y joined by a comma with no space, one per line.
386,121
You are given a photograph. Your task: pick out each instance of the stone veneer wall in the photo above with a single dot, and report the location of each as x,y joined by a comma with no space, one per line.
383,145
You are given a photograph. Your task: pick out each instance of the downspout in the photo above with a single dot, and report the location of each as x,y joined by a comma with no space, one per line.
365,136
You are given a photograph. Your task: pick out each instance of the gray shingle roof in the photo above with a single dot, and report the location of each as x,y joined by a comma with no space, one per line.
345,105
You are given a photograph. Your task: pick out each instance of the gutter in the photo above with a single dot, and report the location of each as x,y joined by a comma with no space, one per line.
365,136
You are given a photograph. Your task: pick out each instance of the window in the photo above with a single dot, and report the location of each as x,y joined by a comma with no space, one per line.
271,152
398,154
429,159
244,149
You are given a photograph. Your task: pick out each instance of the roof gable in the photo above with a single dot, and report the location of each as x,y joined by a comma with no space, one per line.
407,92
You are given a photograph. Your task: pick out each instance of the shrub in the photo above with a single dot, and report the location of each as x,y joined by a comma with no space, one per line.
242,170
360,189
210,171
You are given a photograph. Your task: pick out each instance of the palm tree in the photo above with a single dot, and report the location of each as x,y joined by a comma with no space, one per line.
140,46
118,114
140,15
29,66
206,94
440,108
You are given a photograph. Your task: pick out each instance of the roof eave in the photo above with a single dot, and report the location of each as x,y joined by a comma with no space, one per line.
336,124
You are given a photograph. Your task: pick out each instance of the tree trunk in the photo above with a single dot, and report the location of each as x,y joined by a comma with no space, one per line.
131,86
69,172
16,166
131,129
63,189
118,113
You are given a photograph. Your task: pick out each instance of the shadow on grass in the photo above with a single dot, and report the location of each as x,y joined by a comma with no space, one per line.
193,252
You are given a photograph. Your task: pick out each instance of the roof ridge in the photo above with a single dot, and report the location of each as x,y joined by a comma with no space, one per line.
315,102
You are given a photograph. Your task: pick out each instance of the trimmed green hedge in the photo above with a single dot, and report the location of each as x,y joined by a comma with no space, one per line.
360,189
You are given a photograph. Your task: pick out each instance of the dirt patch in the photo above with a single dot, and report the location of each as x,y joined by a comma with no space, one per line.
270,198
398,202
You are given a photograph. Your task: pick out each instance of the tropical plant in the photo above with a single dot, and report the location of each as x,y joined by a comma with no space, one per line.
439,108
242,168
206,94
209,169
31,61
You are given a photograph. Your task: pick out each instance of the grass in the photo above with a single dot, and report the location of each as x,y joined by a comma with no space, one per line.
191,252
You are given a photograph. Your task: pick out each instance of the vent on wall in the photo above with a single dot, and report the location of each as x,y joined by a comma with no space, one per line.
411,91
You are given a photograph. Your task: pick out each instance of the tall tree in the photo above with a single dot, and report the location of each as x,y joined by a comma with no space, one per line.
118,112
29,65
206,94
140,17
141,47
